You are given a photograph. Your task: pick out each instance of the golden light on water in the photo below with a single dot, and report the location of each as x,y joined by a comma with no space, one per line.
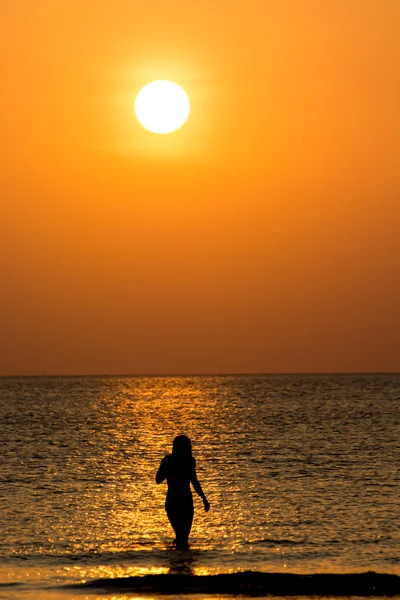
96,480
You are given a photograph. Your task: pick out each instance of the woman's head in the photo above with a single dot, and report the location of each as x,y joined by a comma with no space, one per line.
182,446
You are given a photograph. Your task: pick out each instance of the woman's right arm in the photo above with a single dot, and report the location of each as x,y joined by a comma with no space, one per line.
162,472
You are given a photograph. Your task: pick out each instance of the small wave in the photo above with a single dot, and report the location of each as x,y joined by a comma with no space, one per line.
253,583
273,542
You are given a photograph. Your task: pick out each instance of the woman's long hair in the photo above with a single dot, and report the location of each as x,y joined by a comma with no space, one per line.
182,449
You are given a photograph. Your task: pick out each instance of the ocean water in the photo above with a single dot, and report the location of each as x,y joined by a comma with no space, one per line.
301,472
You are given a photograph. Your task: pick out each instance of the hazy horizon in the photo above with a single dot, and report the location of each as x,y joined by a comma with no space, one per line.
233,374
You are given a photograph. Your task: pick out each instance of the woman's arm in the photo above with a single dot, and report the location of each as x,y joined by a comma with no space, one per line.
162,472
197,487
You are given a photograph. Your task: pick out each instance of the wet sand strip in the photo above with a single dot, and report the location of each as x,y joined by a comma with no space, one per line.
251,583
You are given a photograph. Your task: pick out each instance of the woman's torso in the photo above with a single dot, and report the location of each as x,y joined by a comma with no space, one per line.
179,474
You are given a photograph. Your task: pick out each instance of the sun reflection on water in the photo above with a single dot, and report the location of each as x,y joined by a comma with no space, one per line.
127,500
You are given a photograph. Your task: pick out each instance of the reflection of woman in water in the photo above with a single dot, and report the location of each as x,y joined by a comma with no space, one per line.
179,469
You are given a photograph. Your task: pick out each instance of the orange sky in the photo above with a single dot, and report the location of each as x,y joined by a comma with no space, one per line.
263,236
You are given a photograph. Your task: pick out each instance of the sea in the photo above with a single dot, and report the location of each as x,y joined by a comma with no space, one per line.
301,472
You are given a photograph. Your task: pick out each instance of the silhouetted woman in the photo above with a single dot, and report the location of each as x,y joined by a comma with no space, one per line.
179,469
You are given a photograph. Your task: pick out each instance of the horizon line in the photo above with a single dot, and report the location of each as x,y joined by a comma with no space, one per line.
208,374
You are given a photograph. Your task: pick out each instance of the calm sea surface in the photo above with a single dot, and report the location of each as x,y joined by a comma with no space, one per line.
301,473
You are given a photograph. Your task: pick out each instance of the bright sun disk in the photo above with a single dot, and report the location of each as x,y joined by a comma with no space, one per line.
162,106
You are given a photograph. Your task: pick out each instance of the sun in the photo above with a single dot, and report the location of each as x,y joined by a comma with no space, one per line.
162,106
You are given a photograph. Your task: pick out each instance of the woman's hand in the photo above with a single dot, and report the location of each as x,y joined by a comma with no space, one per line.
206,504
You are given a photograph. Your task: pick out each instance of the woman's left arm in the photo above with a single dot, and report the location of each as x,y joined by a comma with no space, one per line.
197,487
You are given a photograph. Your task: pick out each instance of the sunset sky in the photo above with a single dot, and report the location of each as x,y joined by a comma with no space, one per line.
263,236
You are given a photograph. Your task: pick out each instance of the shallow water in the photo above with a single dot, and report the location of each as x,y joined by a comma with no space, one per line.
301,473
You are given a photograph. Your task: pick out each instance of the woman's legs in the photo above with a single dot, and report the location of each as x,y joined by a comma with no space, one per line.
181,518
